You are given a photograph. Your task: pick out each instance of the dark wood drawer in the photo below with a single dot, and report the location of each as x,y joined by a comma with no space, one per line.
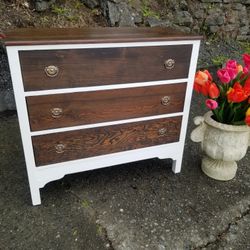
72,145
102,66
64,110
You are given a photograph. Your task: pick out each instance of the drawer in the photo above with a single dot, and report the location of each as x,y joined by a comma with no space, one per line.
53,69
64,110
72,145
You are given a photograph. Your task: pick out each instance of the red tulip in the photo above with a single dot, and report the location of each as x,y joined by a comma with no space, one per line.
232,68
232,73
246,59
232,64
247,86
247,120
223,75
211,104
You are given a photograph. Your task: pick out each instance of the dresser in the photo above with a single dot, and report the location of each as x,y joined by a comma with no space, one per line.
96,97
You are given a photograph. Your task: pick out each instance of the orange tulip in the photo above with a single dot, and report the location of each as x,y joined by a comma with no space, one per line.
210,78
202,81
202,88
201,78
236,94
248,112
213,90
239,68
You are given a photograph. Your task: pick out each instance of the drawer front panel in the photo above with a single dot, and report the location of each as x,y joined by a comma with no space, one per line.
72,145
64,110
53,69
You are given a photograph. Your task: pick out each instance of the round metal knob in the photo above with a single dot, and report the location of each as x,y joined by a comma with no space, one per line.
51,71
60,148
165,100
162,131
169,63
56,112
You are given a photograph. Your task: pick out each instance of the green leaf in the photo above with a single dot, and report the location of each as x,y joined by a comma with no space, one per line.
220,112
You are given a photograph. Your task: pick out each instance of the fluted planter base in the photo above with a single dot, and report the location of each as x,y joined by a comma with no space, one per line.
219,170
222,145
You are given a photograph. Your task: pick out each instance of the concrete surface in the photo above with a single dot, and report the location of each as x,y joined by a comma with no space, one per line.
140,205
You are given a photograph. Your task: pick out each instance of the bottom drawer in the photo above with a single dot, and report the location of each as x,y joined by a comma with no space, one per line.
72,145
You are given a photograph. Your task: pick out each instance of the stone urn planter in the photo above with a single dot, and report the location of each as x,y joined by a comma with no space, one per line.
222,144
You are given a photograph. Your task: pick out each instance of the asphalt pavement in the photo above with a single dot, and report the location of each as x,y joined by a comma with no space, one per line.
141,205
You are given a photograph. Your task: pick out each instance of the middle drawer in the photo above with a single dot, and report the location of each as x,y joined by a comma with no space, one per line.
72,109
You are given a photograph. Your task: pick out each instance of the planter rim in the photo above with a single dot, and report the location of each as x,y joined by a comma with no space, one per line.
226,127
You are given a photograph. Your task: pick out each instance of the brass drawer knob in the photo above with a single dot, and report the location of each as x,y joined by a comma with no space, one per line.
56,112
169,63
60,148
165,100
51,71
162,131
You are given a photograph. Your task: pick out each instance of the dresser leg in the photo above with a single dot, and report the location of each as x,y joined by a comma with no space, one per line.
35,196
176,166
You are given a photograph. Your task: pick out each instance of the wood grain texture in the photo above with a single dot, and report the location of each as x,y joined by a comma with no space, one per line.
40,36
105,140
103,66
103,106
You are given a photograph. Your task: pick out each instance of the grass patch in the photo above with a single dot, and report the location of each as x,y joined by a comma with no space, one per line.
61,11
85,203
245,46
219,60
147,11
99,230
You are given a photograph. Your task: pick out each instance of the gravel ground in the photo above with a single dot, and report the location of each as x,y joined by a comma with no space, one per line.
214,50
62,223
5,79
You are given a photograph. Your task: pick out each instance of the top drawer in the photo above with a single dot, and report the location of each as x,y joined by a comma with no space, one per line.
53,69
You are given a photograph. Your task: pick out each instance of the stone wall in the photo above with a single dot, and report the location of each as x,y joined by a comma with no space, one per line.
225,18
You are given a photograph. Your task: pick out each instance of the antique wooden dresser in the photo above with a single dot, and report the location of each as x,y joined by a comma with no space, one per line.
92,98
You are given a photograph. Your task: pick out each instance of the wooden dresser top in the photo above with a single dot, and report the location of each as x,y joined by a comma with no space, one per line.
34,36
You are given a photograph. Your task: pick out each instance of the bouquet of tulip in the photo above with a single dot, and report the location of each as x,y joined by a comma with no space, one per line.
229,98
